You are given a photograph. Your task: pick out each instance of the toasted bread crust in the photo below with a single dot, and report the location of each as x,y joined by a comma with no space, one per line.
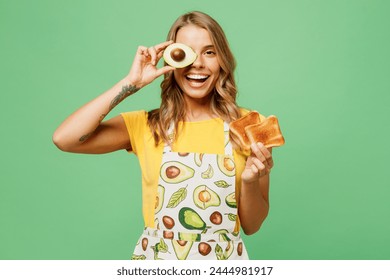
248,129
237,128
267,132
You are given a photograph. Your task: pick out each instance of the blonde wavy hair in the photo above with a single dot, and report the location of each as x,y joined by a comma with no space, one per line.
223,97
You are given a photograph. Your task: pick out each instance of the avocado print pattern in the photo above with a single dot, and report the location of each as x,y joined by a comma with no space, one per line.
198,157
191,220
231,200
226,165
208,173
176,172
159,198
205,197
195,208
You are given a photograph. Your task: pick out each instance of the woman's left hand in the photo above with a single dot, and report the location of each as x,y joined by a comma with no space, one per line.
258,164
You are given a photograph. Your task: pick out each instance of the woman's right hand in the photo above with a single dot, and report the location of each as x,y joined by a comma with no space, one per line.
84,132
144,69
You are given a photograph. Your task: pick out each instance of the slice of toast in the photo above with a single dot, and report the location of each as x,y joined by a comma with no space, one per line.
237,128
267,132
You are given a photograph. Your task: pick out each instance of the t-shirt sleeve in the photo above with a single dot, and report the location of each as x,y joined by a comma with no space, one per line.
136,123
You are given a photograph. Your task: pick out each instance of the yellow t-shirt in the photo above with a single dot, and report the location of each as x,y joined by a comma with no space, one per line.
197,137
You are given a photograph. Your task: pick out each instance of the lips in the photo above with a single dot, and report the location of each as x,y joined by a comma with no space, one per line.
198,78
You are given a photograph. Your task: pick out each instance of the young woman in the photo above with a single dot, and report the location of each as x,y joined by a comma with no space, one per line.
198,188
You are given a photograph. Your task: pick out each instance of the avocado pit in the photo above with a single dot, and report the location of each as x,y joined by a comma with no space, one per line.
178,54
144,243
168,234
229,164
168,222
216,218
204,196
204,248
239,249
172,172
182,242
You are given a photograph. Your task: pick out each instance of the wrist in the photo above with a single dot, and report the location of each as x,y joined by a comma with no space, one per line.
250,182
125,90
130,87
128,81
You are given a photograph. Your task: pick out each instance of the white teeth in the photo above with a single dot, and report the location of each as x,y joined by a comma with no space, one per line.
197,77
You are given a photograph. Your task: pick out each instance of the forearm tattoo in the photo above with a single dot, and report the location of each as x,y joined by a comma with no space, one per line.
85,137
102,116
125,92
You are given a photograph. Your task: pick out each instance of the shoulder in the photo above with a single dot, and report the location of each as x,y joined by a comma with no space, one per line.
136,121
137,129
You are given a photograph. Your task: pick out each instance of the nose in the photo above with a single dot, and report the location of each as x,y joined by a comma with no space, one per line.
199,62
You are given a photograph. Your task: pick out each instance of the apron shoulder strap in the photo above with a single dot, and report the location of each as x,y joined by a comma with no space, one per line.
171,135
228,143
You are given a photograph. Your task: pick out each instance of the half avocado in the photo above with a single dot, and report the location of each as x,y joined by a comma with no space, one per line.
179,55
198,157
231,200
159,199
226,165
182,248
205,197
224,254
174,172
190,219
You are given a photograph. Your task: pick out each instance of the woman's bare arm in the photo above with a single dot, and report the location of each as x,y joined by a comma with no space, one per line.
254,195
84,132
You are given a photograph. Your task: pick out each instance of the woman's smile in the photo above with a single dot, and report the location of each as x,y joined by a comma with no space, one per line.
198,80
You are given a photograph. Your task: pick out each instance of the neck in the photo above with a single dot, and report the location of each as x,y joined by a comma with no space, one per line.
193,115
198,110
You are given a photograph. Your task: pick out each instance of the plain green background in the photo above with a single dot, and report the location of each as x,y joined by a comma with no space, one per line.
322,67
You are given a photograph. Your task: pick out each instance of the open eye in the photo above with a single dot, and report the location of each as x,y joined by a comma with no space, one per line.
210,53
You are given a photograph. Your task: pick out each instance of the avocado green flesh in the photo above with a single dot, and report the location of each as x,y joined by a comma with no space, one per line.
198,159
189,236
160,197
223,235
231,200
182,251
229,249
190,219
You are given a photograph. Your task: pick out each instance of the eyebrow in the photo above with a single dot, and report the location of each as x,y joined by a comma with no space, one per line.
208,47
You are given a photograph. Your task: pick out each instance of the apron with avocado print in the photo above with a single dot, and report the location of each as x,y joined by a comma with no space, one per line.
196,209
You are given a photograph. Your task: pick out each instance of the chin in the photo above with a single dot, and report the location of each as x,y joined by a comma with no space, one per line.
198,94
